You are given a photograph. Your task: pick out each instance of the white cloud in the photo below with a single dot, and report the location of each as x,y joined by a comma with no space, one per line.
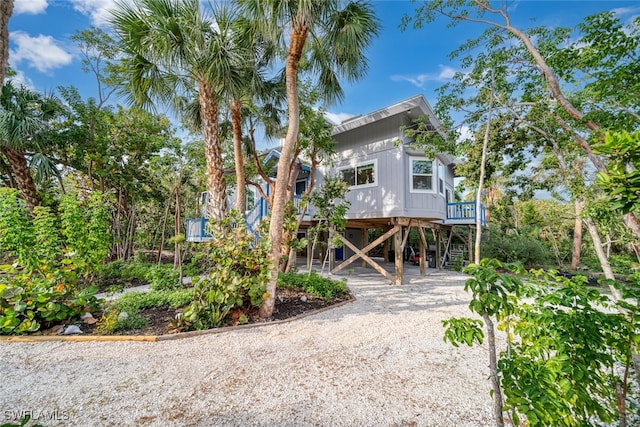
33,7
98,10
445,73
41,52
337,118
22,79
620,11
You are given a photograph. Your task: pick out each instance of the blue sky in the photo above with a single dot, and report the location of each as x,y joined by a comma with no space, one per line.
401,64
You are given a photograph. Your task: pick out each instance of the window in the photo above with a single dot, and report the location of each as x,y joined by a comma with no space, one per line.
421,175
441,177
301,187
361,175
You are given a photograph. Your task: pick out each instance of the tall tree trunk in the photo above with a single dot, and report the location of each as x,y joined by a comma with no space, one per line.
164,228
493,368
22,174
212,152
177,219
6,9
577,234
483,162
241,191
297,41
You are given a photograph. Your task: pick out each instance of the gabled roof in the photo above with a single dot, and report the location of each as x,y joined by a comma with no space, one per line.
413,107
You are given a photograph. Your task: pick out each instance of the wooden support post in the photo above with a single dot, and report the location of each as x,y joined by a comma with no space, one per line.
365,237
385,251
423,250
399,257
438,245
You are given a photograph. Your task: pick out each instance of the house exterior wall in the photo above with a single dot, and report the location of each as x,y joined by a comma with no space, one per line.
382,143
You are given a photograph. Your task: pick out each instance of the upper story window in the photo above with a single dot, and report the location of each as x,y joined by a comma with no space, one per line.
361,175
421,175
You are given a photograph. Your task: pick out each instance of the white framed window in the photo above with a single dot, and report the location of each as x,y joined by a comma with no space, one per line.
441,177
364,174
421,171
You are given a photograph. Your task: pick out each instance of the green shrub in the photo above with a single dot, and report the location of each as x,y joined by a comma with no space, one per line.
163,277
313,283
134,301
514,248
125,271
239,276
29,302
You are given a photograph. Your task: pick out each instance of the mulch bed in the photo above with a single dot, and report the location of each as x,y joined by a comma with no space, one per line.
289,304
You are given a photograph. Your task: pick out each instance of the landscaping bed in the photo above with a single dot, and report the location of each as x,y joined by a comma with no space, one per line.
289,304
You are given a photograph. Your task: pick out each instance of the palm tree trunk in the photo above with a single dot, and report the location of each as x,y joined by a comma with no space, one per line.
22,174
241,192
6,9
212,152
297,41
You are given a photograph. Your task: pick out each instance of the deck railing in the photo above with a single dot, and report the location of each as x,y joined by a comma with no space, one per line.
465,211
196,228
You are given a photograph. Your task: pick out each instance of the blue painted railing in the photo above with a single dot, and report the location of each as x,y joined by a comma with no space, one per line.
196,228
465,212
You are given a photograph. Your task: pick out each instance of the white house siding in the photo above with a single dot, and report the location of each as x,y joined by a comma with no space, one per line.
377,137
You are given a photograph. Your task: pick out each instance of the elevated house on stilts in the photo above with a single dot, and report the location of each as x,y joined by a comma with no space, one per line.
393,188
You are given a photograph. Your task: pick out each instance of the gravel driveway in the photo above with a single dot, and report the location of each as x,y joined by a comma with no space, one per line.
378,361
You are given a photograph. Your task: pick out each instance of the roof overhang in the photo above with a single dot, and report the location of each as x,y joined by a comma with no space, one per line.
413,108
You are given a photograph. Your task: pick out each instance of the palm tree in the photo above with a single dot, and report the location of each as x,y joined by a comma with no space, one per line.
171,49
332,39
6,9
24,116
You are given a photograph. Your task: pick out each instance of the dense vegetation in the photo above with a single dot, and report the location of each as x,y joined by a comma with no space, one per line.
92,193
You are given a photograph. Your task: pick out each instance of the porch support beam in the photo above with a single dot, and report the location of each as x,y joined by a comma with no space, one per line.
423,250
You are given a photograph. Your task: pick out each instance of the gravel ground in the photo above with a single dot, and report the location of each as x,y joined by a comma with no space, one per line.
377,361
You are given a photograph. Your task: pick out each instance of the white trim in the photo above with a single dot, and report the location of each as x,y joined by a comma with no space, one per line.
355,167
434,181
441,179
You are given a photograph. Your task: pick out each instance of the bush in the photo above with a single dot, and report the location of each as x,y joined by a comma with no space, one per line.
514,248
29,302
163,277
239,276
134,301
313,284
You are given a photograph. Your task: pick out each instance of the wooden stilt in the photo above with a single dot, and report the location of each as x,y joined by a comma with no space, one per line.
399,258
423,250
365,237
385,251
438,233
